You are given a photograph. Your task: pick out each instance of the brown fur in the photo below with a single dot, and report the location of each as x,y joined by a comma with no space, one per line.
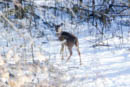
70,41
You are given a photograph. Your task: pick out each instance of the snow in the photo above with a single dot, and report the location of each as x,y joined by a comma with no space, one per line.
101,66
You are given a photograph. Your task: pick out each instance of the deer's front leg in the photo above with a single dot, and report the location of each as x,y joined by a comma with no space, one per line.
62,51
62,48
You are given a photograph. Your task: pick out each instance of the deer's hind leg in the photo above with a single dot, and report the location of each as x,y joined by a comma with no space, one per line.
79,54
70,51
77,46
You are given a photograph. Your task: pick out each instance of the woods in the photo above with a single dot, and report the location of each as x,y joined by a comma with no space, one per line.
30,50
99,14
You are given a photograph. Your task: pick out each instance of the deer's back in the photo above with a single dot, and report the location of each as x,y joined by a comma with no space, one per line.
70,38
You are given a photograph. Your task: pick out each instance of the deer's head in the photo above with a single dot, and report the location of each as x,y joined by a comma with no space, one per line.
58,28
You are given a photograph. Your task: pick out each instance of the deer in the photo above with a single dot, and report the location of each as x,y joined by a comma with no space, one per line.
69,40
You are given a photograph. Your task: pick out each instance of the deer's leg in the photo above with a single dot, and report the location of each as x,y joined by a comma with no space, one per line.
79,54
62,51
70,51
65,51
77,46
62,48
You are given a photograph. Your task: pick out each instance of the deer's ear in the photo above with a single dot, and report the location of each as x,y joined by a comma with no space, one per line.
61,24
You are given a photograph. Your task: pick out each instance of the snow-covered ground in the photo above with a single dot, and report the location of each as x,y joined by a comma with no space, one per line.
102,66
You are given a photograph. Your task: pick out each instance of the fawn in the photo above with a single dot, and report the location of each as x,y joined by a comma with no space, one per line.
68,40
